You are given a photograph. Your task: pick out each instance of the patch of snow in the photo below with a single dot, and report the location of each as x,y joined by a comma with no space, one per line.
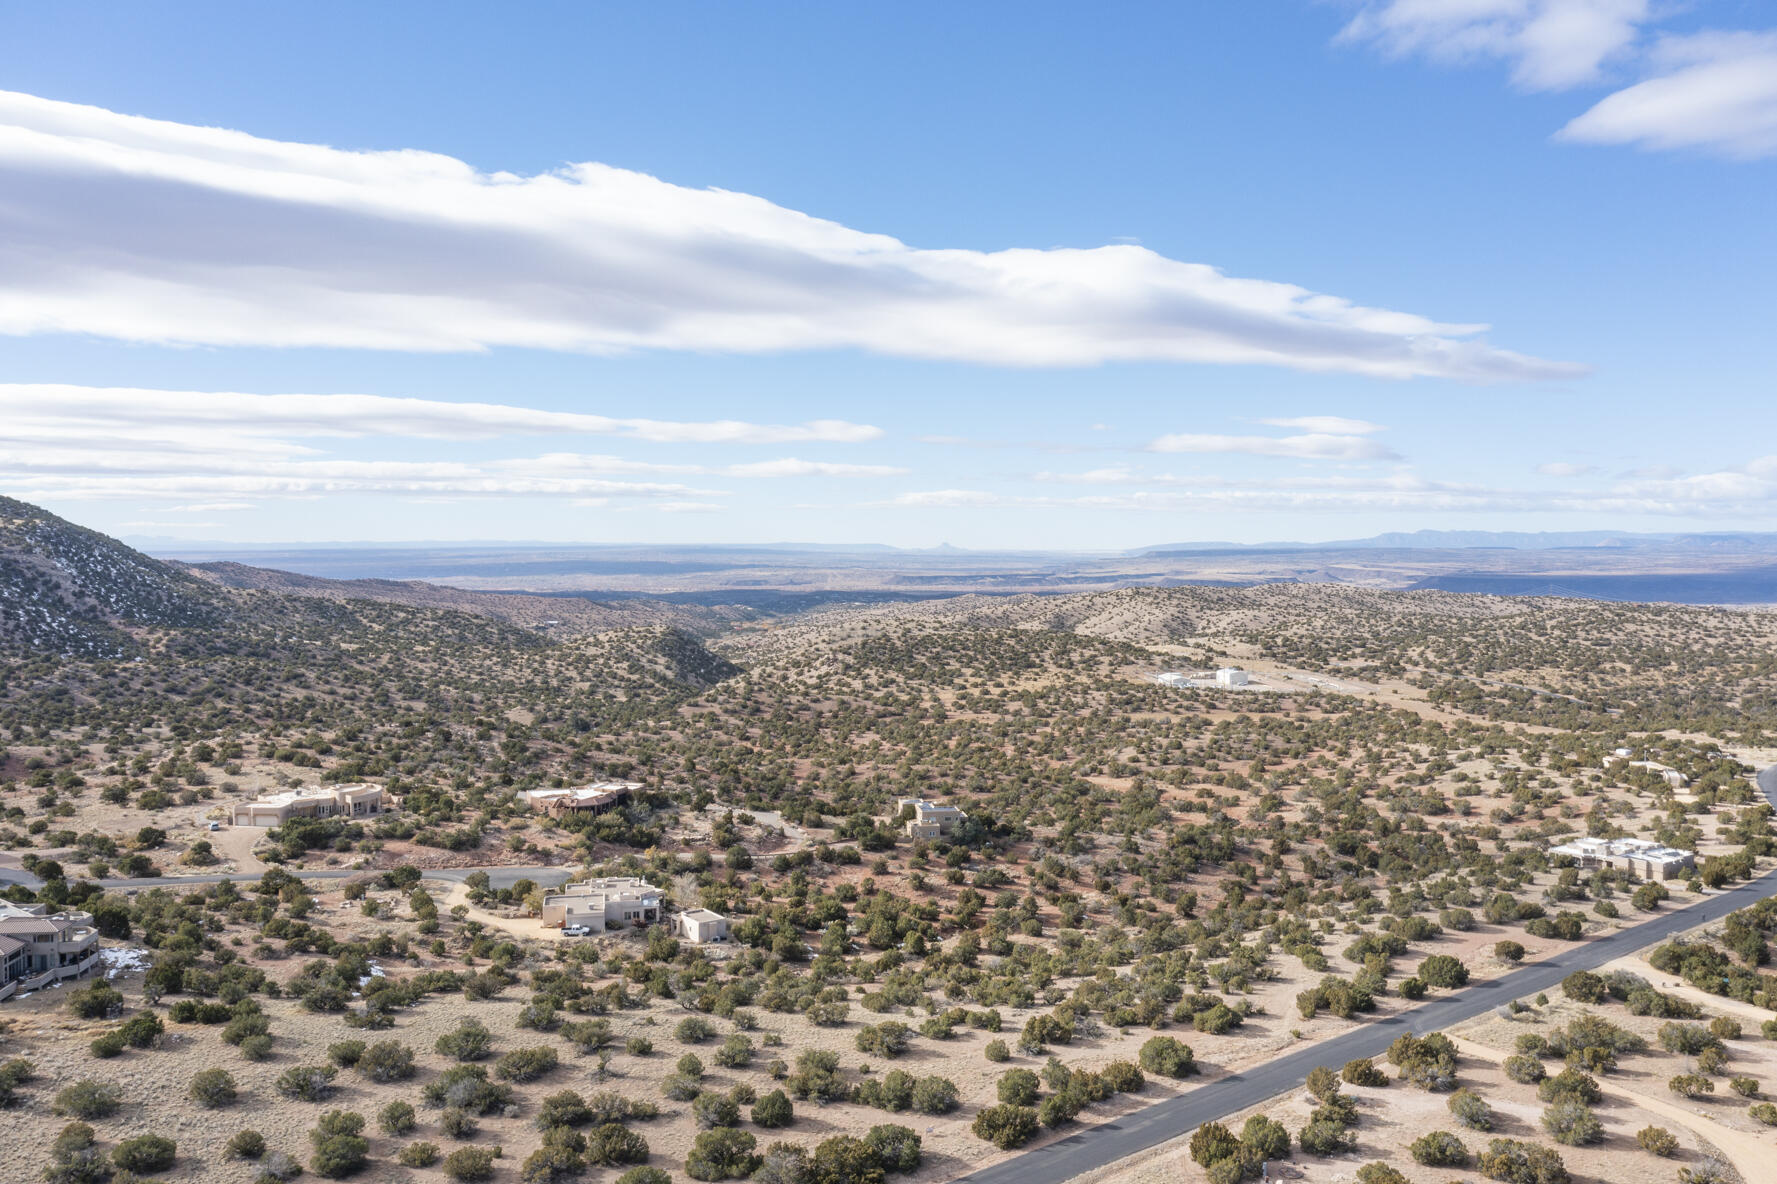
124,960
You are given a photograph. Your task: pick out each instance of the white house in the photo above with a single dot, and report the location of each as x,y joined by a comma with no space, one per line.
1231,676
1665,773
701,926
603,903
1646,859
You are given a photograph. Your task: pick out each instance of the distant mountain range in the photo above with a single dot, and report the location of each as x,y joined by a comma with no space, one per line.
1515,540
1689,567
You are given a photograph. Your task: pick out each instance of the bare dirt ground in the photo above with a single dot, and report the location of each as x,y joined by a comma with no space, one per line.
1391,1117
155,1082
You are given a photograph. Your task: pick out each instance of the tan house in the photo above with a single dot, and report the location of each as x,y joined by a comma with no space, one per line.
38,948
589,799
601,904
701,926
311,801
929,821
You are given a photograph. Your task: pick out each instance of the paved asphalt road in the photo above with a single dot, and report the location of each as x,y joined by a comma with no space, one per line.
1104,1144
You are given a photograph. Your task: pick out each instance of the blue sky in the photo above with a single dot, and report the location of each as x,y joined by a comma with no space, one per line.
997,275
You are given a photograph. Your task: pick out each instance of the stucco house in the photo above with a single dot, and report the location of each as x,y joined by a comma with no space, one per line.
1649,860
929,821
604,903
701,926
311,801
38,947
582,799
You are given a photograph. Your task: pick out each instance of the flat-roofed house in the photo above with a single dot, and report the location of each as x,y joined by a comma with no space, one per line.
1665,773
38,947
582,799
601,904
311,801
1649,860
930,820
701,926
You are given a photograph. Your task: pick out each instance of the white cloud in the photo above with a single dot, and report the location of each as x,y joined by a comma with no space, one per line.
1549,44
1336,425
791,467
688,507
305,479
1113,475
151,231
948,498
213,449
1563,468
1754,484
1711,91
1312,446
1749,491
1719,94
98,411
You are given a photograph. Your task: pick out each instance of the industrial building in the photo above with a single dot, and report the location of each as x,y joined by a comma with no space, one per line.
601,904
313,801
1231,676
1649,860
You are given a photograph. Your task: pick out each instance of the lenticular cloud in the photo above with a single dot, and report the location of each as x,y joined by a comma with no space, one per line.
151,231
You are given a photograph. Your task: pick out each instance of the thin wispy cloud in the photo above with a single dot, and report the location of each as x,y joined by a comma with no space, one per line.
1310,446
213,449
1712,91
1563,468
1548,44
1748,490
111,227
1719,93
790,466
97,411
1332,425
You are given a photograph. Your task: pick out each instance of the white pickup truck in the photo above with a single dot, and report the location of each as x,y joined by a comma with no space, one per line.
575,931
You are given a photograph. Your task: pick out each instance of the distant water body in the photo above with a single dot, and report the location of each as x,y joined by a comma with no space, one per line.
1750,586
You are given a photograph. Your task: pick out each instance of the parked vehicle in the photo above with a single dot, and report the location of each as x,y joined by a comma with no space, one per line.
575,931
